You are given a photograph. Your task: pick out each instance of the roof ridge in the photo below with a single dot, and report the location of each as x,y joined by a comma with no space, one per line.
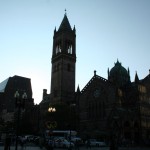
95,76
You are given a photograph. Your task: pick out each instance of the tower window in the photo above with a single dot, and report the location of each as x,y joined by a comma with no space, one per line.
58,48
69,48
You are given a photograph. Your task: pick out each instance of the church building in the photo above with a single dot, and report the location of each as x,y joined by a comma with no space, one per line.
113,107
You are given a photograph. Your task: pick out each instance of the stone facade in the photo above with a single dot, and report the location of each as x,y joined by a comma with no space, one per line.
116,107
96,101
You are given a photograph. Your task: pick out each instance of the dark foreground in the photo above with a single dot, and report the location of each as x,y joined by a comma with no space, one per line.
32,147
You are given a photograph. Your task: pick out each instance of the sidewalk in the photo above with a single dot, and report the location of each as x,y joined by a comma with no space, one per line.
24,148
38,148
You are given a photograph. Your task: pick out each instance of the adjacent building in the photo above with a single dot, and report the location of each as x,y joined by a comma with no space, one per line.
8,109
116,107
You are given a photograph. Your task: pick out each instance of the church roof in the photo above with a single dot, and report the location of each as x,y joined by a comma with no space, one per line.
118,69
92,79
119,75
147,78
65,25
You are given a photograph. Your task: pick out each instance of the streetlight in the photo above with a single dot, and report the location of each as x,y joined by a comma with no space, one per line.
19,103
51,109
51,124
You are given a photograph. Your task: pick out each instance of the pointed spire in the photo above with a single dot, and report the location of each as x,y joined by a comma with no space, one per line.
55,30
117,63
94,72
78,89
65,25
129,73
108,73
136,78
74,29
65,12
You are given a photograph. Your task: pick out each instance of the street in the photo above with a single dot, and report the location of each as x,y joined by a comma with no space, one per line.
81,148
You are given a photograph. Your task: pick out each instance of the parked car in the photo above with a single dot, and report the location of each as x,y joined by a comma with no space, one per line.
63,143
29,138
77,140
94,142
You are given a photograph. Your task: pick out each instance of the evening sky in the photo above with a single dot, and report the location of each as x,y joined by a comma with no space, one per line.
106,30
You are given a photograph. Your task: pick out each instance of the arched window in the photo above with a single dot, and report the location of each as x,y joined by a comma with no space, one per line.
69,48
58,48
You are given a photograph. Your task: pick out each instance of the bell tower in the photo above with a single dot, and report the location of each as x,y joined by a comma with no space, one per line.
63,63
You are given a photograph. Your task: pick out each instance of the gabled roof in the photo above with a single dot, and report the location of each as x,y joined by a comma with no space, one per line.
147,78
92,80
65,25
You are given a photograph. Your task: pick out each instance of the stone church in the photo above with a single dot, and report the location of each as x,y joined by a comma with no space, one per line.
113,107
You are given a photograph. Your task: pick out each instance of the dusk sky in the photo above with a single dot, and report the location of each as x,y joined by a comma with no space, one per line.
106,30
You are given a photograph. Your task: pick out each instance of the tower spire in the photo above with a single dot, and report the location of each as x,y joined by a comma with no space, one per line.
136,77
65,12
65,25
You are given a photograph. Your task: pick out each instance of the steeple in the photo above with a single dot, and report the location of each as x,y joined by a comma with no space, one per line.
64,39
78,89
136,80
129,74
108,73
65,25
63,63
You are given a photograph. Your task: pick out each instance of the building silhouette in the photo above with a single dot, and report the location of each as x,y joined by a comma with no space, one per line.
116,107
8,88
112,108
63,66
8,110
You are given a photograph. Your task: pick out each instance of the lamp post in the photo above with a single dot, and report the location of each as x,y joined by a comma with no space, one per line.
19,103
51,125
